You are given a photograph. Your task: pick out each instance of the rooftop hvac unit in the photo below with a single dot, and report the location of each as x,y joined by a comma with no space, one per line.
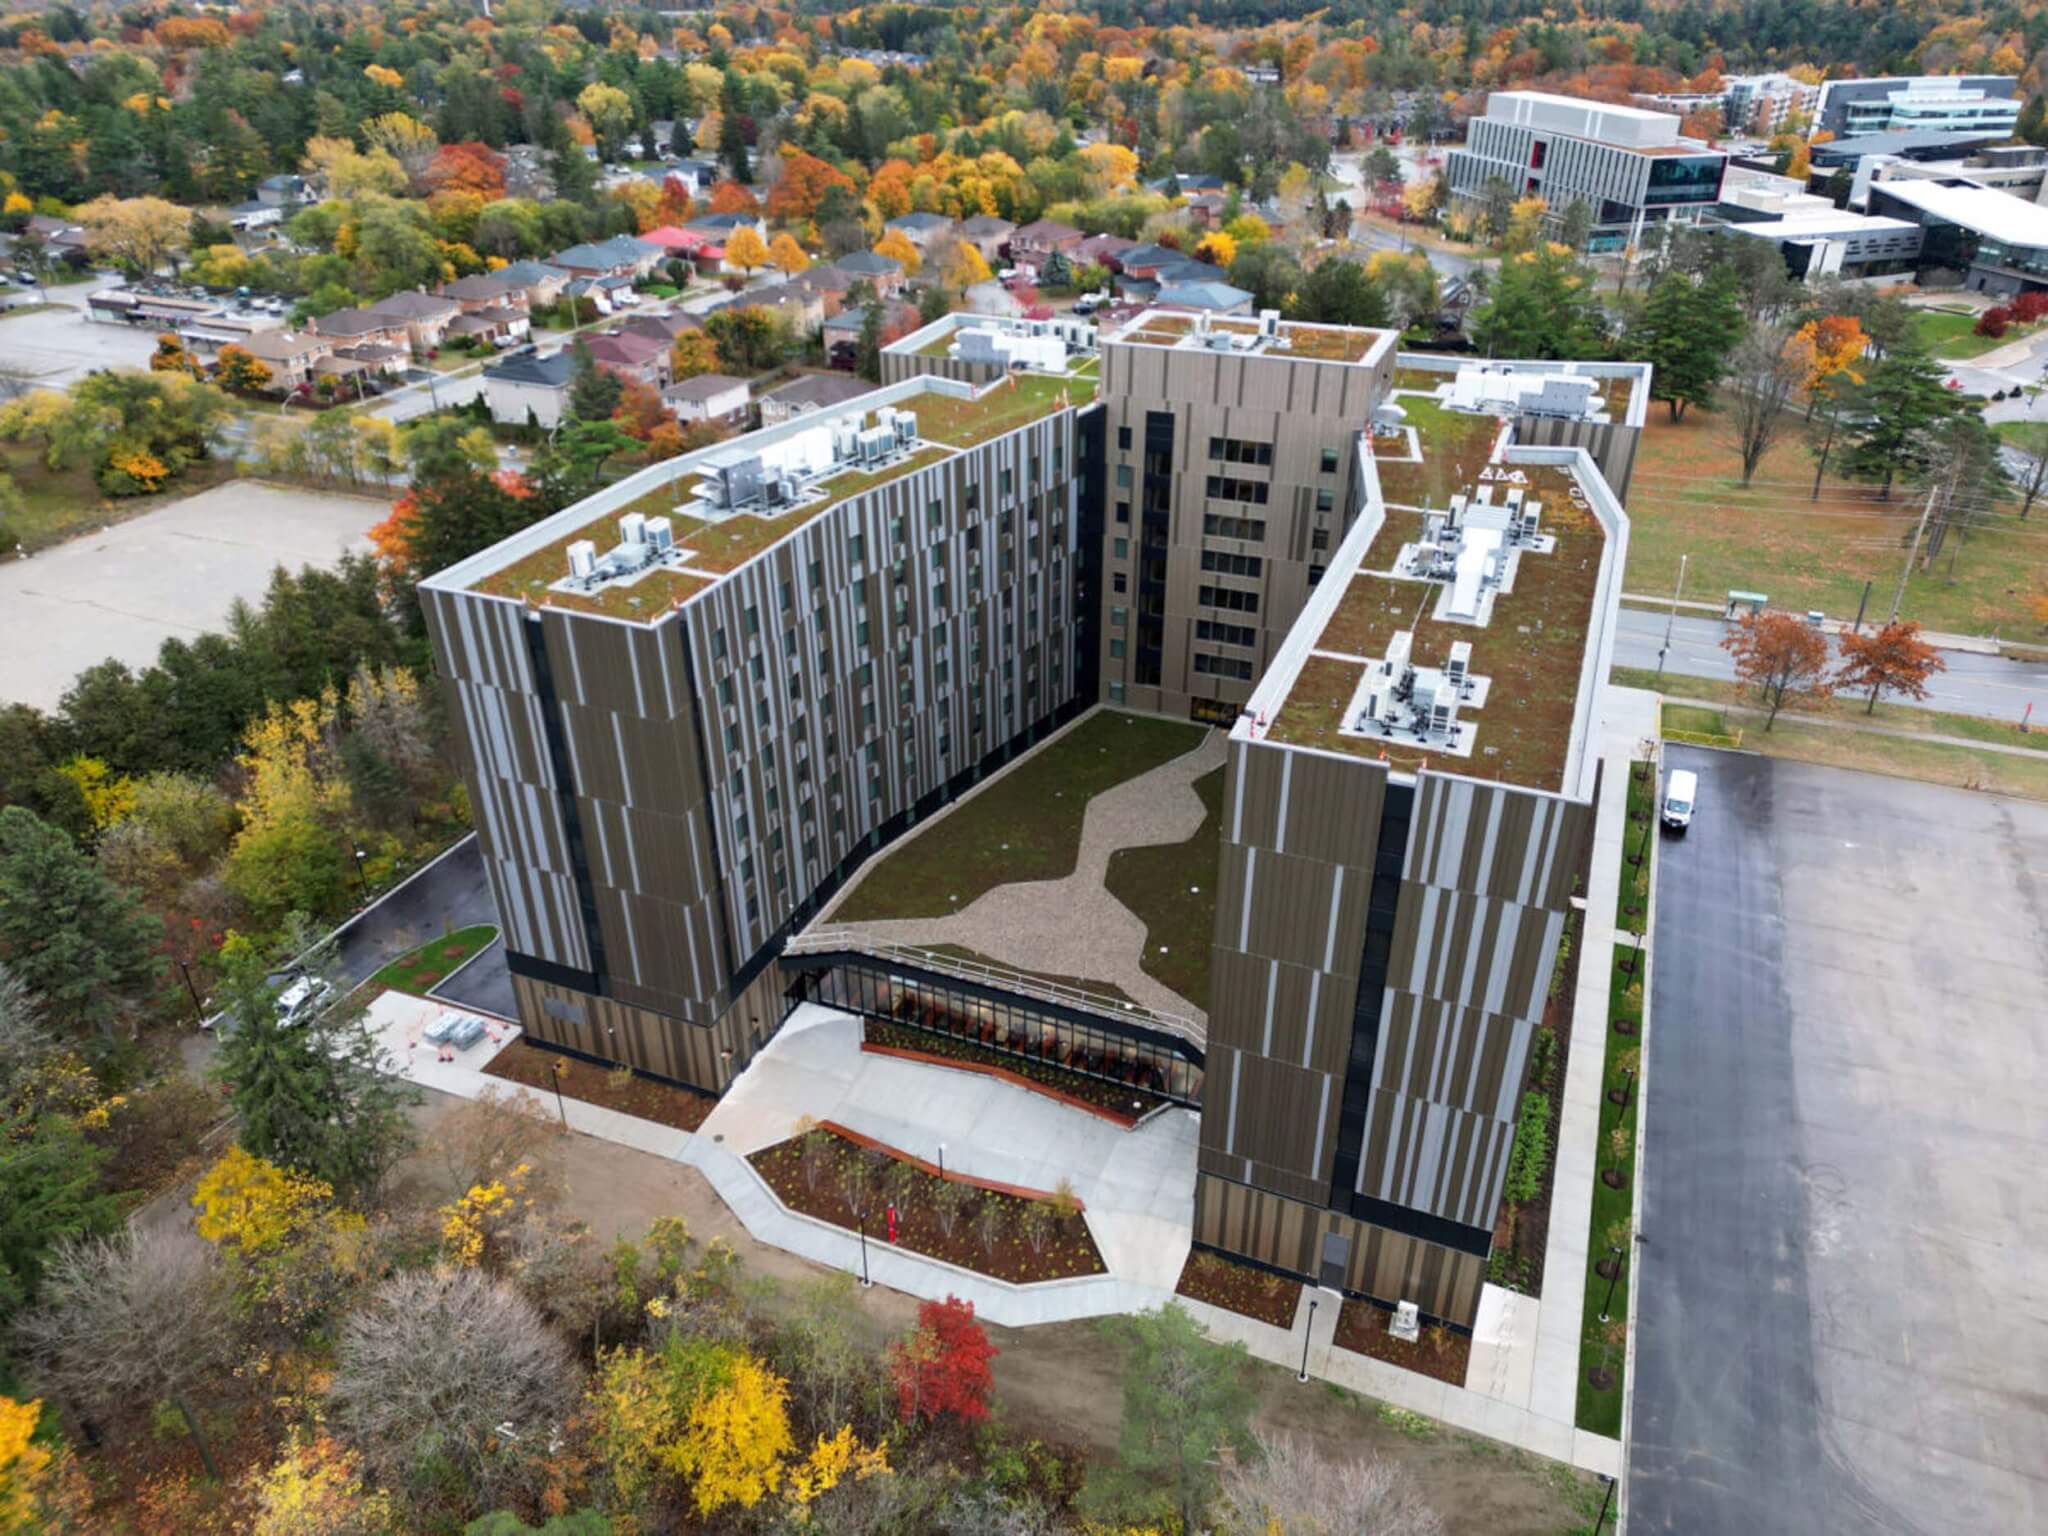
875,443
661,534
1459,667
1532,518
785,490
632,528
1398,650
1432,527
1269,322
906,429
1515,495
736,480
1201,322
582,559
1457,508
845,440
1440,717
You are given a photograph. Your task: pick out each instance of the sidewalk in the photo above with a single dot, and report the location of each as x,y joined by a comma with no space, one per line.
1827,722
1976,645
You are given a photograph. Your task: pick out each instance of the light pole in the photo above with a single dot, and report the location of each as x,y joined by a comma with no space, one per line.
198,1010
558,1069
1611,1281
942,1162
1605,1499
861,1219
361,880
1671,618
1307,1334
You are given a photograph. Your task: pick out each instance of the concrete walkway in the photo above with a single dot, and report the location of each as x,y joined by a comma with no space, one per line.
1976,645
1828,723
1074,926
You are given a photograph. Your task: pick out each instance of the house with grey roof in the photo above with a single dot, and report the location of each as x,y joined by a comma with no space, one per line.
921,229
529,390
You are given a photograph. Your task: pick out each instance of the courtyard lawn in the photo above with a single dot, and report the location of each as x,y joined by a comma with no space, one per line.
1953,333
433,963
1026,825
1686,498
1172,888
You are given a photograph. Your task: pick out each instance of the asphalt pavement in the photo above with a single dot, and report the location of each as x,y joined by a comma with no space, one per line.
449,893
1841,1320
1997,687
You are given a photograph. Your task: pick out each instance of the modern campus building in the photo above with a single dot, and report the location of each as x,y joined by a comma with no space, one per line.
1630,167
1940,103
1998,243
693,705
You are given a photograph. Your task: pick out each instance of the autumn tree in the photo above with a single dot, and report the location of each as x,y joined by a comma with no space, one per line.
745,250
786,256
692,353
1781,656
1893,659
609,111
1765,371
240,372
800,189
407,140
729,196
942,1369
467,167
316,1487
1290,1489
138,234
965,267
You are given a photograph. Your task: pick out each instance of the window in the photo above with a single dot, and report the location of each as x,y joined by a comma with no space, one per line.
1228,598
1119,583
1116,647
1225,634
1231,565
1123,511
788,595
1116,693
1329,461
1218,526
1223,666
718,645
1120,549
1228,488
856,547
1123,438
1119,617
935,513
1233,450
1325,500
1123,477
1315,573
1319,538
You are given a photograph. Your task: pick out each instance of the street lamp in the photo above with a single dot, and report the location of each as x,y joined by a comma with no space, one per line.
1611,1279
198,1010
1307,1334
360,879
861,1218
560,1069
942,1162
1605,1499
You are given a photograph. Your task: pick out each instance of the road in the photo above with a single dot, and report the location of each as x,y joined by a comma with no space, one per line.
1996,687
1840,1304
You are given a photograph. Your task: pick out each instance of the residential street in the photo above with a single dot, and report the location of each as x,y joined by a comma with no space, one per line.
1839,1319
1993,686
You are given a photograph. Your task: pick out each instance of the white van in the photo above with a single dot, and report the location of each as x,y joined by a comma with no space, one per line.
1681,793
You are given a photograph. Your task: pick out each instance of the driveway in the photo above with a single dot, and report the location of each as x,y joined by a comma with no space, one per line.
1841,1309
446,895
172,572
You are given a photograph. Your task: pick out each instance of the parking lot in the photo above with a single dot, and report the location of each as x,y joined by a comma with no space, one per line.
59,346
1842,1320
174,571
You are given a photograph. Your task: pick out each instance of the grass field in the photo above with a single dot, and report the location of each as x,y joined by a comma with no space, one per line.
1172,888
1952,334
1025,825
1686,498
59,504
432,963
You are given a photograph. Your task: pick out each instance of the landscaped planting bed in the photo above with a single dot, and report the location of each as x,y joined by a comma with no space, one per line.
431,964
1018,1237
1522,1233
1120,1101
618,1088
1172,889
1258,1294
1362,1329
1603,1345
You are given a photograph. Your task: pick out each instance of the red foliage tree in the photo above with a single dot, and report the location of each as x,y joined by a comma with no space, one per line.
805,180
1780,656
1891,660
673,206
640,410
468,167
729,196
2030,306
1994,322
941,1366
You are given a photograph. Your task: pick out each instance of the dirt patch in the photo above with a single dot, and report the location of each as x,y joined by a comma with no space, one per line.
1362,1329
988,1230
1125,1103
610,1088
1258,1294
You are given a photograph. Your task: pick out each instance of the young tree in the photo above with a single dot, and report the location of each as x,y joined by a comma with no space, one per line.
1287,1489
1781,656
692,353
1890,660
786,256
451,1374
313,1093
1894,420
135,1319
85,947
899,248
1764,373
594,392
1185,1401
1687,329
745,251
941,1369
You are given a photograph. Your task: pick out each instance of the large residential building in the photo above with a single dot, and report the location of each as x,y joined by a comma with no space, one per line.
1938,103
1629,167
693,705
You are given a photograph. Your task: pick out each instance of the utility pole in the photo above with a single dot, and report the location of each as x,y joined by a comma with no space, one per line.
1899,596
1671,619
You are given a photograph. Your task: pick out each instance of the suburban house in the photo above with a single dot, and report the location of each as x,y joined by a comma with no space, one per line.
528,389
1103,250
291,356
64,242
674,241
884,272
630,356
484,290
620,256
364,328
607,295
255,214
987,234
1206,208
830,285
921,229
801,309
723,226
541,283
425,316
500,326
1217,298
842,331
716,398
812,392
662,325
1031,245
283,191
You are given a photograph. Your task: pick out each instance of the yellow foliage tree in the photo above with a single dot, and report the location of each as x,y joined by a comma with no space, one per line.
344,171
1112,165
691,354
746,250
736,1439
383,76
23,1467
405,139
786,256
254,1204
1248,229
469,1225
832,1460
898,246
316,1489
966,267
138,232
109,797
1217,247
1525,223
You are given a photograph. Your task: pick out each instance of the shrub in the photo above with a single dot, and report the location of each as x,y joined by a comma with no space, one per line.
2029,307
1531,1152
1994,322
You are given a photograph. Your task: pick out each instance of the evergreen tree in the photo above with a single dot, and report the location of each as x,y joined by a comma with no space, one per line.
574,173
1686,331
1893,427
311,1093
51,1174
867,358
1338,292
2033,123
1057,272
594,392
68,932
1540,307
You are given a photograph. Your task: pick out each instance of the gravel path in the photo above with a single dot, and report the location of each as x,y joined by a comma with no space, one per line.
1074,926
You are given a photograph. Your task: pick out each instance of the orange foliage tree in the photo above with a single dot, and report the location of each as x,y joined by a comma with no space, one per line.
1891,660
1782,657
468,167
729,196
805,181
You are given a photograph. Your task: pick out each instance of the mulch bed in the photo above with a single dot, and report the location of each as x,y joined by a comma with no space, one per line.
663,1103
1123,1102
1362,1329
1257,1294
844,1179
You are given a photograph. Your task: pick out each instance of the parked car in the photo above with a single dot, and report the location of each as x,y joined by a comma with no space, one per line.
1681,794
303,999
